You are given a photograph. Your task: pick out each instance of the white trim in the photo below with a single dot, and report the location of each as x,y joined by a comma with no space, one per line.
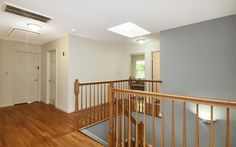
48,77
95,137
6,105
61,109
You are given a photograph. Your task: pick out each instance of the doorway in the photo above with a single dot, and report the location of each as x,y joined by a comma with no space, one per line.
52,77
26,77
138,66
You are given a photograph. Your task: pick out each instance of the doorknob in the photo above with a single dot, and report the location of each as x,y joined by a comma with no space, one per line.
36,80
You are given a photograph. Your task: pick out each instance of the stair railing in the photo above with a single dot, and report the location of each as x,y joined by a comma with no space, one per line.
117,95
91,98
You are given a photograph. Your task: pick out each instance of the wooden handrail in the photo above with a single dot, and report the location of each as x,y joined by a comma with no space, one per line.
140,129
190,99
152,81
103,82
117,81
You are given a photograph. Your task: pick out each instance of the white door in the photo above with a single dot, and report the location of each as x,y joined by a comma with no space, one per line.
26,79
52,77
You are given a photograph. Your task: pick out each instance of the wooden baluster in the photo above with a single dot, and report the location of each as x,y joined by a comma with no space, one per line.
162,122
123,122
86,97
197,125
104,101
117,122
98,102
105,91
139,104
149,86
110,136
227,128
82,103
153,123
141,134
129,123
136,125
152,87
101,102
173,125
144,129
81,97
156,87
94,103
90,103
184,127
76,92
97,105
212,129
148,106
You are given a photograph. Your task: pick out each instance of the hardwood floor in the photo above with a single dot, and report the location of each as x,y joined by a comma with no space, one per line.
39,125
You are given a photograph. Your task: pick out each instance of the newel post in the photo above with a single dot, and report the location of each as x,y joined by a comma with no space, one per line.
110,100
130,82
76,92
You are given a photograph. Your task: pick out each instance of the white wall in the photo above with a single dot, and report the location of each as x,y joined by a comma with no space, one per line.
7,58
89,60
94,61
60,45
145,49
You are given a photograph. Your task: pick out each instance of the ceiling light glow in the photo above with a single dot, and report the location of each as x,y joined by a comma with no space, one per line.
73,30
141,41
129,30
34,27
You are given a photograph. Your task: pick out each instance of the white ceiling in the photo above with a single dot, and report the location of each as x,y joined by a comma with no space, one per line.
91,18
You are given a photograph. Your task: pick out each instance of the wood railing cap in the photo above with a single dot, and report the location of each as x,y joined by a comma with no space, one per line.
189,99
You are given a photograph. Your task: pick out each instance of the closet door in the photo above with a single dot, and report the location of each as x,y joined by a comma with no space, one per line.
26,77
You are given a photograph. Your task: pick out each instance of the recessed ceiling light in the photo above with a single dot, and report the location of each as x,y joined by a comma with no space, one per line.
129,29
34,27
141,41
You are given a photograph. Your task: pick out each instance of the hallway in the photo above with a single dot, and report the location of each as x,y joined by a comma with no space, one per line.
39,125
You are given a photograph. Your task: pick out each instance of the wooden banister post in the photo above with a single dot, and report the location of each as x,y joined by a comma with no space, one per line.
130,82
76,92
111,142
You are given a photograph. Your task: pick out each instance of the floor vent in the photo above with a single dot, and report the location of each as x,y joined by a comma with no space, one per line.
25,13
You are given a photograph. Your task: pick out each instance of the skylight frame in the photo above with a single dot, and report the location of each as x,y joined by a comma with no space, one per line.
129,30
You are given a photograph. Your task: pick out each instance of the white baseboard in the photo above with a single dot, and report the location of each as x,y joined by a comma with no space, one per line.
61,109
6,105
95,137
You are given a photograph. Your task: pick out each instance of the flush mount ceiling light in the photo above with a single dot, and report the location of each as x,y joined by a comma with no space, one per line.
129,30
141,41
206,119
34,27
73,30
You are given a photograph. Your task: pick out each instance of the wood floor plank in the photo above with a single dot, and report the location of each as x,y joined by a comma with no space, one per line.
39,125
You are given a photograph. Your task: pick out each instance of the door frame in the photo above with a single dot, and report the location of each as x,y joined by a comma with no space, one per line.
48,77
152,62
14,68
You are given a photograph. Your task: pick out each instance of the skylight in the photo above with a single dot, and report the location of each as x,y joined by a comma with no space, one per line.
129,30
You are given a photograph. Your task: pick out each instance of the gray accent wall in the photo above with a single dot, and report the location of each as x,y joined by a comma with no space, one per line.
200,60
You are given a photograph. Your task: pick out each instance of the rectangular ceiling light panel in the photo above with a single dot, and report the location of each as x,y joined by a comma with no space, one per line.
129,30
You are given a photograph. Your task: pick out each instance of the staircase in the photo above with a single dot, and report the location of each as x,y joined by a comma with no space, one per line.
91,100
